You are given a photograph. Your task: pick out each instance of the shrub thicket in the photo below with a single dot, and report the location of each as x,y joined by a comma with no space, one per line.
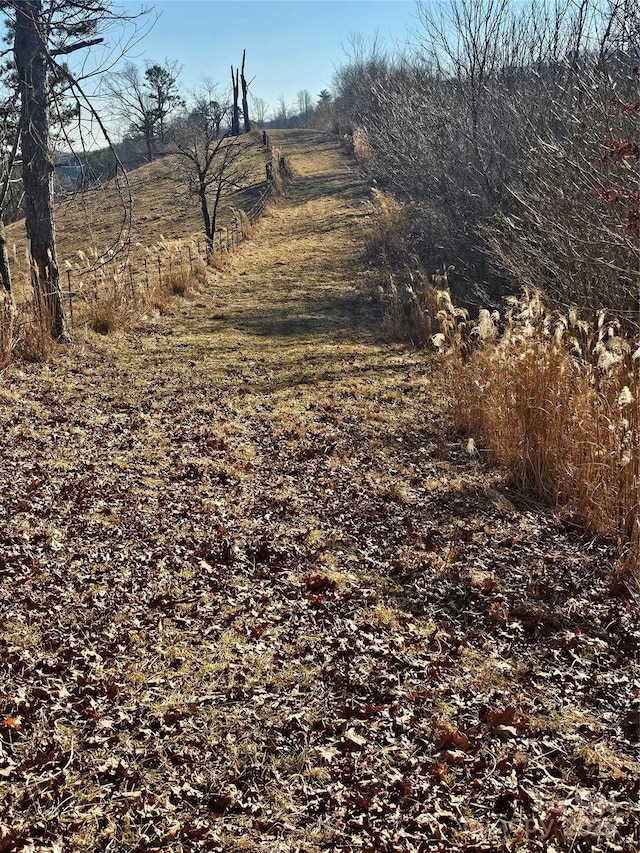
512,132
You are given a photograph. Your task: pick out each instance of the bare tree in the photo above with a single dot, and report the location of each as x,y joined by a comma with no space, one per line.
133,103
235,118
213,165
260,108
211,107
245,98
282,113
305,104
512,133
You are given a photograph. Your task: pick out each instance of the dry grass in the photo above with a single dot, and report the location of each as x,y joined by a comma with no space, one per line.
163,253
556,400
106,300
30,334
178,281
413,301
7,326
553,398
162,209
226,619
386,236
113,313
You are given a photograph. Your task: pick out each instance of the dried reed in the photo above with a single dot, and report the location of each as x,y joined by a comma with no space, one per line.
556,400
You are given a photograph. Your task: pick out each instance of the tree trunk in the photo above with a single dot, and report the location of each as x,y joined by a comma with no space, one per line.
37,167
148,138
5,269
216,203
209,232
245,102
235,119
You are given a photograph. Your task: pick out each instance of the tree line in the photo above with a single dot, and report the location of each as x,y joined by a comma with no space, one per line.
510,132
304,112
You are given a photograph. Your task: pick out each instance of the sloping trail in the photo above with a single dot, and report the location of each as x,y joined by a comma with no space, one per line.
255,597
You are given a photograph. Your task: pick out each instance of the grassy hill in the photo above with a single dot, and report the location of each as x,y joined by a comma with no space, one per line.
88,223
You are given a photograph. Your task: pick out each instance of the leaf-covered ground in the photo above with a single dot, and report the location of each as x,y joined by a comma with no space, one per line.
256,596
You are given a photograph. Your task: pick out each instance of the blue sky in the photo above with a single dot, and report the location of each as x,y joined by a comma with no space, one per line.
291,44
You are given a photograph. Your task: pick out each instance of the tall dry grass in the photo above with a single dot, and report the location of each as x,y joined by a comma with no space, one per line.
556,400
7,326
552,397
416,305
102,298
119,296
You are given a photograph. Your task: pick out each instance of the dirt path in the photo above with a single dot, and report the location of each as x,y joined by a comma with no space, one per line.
255,595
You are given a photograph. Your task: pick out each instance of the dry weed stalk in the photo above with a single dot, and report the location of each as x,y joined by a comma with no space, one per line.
199,270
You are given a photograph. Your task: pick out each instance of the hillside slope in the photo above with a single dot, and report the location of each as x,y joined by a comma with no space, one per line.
155,198
256,596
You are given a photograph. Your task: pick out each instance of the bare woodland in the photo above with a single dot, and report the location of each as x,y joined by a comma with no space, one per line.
511,131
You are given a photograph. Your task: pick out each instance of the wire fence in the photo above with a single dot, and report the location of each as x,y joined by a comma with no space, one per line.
159,267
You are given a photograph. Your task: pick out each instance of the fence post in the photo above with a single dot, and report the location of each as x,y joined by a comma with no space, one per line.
70,296
159,271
